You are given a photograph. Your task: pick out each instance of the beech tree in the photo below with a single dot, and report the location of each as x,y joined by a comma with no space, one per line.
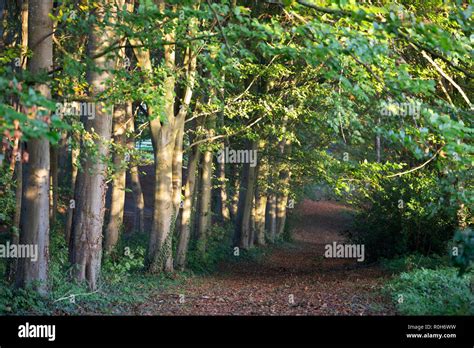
35,196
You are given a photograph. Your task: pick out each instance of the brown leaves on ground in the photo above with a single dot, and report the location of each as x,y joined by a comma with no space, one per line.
293,279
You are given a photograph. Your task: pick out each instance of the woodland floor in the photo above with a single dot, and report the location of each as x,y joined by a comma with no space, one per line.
263,286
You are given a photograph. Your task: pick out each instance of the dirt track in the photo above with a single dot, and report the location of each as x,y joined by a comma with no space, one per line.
294,279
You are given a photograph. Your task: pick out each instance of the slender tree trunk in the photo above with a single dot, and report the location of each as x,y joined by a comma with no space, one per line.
246,197
139,220
205,197
271,216
15,233
234,205
260,204
122,115
282,201
54,195
18,171
282,197
63,160
252,234
35,217
185,227
24,33
205,212
74,165
224,212
86,233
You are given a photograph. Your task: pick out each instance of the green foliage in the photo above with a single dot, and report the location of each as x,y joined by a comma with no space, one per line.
412,262
218,247
464,256
128,258
21,301
7,195
432,292
122,284
399,216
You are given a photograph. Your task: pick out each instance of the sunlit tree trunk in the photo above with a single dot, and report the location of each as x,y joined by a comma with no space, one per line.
246,197
74,165
271,216
222,203
168,158
121,117
261,200
282,197
205,212
54,186
35,216
185,226
86,233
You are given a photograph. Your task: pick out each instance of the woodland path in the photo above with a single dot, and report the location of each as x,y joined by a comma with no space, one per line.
318,286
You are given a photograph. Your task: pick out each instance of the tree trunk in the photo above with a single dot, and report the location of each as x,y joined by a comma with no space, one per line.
15,233
234,205
35,217
86,233
167,143
260,204
139,220
120,119
247,193
205,212
282,197
271,216
159,248
222,204
185,227
74,165
54,195
252,234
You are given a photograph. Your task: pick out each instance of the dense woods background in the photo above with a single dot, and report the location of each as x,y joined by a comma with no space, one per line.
148,141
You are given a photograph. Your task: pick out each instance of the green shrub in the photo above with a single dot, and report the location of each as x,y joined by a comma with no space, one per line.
21,301
218,248
464,256
401,216
432,292
127,258
7,198
414,261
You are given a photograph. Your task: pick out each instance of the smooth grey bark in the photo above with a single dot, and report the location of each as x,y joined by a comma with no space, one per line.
185,226
112,233
139,220
35,215
246,197
86,233
271,217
